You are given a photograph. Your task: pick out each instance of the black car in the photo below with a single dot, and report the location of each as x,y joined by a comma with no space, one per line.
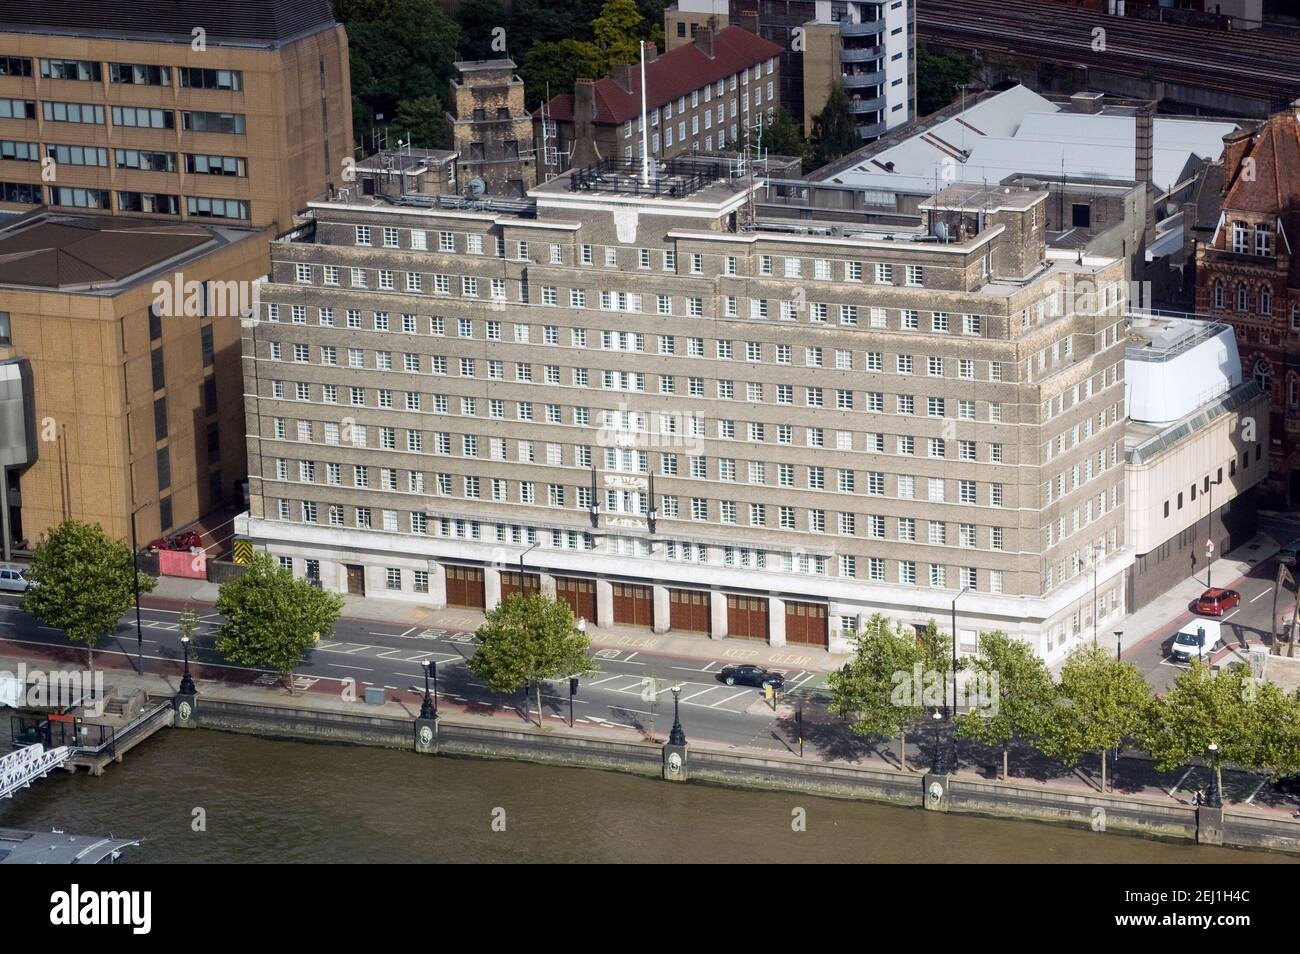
747,675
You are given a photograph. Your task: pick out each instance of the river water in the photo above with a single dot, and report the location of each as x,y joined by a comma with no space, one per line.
262,800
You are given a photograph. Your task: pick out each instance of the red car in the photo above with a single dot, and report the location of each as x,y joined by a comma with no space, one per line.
185,540
1216,602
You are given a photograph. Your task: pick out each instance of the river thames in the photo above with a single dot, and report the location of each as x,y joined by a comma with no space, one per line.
262,800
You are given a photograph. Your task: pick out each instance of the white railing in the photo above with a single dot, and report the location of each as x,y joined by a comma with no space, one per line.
19,769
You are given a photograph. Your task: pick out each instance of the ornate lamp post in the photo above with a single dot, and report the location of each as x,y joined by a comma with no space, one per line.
187,681
676,736
426,706
135,588
936,765
1119,642
1215,798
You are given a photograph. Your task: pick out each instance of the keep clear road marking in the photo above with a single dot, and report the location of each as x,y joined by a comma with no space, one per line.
1265,593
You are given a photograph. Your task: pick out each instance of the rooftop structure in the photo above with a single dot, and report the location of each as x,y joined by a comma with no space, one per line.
58,848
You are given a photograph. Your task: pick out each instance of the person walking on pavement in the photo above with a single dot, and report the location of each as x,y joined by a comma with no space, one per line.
582,625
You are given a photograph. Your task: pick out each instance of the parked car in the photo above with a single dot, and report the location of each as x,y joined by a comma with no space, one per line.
1216,601
185,540
13,578
748,675
1198,639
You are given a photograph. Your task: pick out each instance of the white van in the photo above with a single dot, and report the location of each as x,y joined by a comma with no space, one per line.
13,577
1200,638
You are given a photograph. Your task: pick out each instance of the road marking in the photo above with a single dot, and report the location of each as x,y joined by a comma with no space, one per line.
632,656
598,682
1261,784
357,650
1179,784
1265,593
700,693
1231,615
357,668
728,699
386,653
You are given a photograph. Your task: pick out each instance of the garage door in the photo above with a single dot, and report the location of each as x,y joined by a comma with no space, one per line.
579,594
747,617
805,624
633,604
465,587
688,610
510,584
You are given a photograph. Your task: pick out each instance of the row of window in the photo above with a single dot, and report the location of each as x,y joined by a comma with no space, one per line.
137,74
146,160
140,117
154,202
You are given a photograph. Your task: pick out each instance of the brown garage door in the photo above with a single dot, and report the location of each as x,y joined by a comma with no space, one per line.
633,604
688,610
579,594
510,584
465,586
747,617
805,624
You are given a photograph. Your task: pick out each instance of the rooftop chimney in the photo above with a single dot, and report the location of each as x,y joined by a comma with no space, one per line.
622,75
1235,145
1086,102
748,20
704,41
584,118
651,53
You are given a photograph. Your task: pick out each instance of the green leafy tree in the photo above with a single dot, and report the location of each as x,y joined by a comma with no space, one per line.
552,67
81,583
938,77
478,20
1272,730
1100,702
272,619
527,640
835,131
782,136
875,690
617,32
400,51
424,121
1025,694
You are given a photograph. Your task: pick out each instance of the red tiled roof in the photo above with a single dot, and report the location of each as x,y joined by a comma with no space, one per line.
670,76
1274,187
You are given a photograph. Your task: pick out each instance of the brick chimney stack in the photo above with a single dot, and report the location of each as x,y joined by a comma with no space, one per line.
622,75
704,41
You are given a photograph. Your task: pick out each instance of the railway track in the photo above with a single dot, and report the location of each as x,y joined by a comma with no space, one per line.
1258,65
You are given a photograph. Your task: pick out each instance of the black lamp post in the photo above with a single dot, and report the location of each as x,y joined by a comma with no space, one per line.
135,588
936,765
1215,798
953,710
573,691
652,516
1119,642
523,590
426,705
676,736
1209,530
187,681
433,667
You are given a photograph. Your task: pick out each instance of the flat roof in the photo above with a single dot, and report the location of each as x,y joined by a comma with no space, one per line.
54,250
57,848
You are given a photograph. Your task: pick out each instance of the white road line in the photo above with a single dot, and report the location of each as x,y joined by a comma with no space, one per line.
386,653
416,657
357,650
1265,593
630,657
598,682
700,693
728,699
409,631
1261,784
327,645
357,668
1179,784
1231,615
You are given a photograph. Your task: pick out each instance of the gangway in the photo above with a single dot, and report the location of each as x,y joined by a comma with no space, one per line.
19,769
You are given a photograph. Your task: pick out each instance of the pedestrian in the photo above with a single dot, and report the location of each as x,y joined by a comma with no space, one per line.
582,625
1198,797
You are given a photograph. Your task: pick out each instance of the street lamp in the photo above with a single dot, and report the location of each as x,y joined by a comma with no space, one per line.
135,587
1209,530
964,591
433,666
187,681
936,766
1215,798
676,736
1119,637
426,705
522,589
573,691
1096,623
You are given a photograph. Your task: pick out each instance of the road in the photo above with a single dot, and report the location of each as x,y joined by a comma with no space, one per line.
1248,622
363,653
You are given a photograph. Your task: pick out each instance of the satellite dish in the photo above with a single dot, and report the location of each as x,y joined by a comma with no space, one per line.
476,186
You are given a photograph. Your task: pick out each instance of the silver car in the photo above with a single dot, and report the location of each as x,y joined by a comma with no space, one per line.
13,577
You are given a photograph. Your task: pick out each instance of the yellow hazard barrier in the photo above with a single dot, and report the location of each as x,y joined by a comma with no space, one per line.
244,551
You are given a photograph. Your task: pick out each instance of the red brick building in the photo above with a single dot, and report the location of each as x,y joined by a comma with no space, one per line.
1249,275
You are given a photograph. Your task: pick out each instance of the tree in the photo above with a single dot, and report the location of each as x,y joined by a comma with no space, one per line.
782,136
424,121
551,68
1272,730
877,689
938,77
272,619
478,20
617,32
527,640
1100,702
399,51
81,583
835,131
1024,699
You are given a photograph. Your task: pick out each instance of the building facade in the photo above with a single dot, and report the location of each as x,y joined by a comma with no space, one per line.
866,46
704,97
1194,450
1248,275
683,417
131,330
205,110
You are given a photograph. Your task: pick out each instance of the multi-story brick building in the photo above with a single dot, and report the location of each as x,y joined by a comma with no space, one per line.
703,97
1248,274
682,416
491,131
229,110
